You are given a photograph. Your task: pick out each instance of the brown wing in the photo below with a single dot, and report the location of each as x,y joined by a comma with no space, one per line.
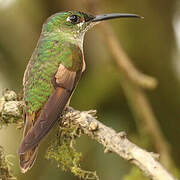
64,83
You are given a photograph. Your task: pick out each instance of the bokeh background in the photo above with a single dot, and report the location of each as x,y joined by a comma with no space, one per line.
153,45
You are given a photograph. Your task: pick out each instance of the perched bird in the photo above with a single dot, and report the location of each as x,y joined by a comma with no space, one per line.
52,74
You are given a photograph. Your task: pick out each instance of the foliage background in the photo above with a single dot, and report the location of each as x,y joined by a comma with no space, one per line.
153,45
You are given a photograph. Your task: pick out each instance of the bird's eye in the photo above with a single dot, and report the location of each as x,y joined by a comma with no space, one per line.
74,19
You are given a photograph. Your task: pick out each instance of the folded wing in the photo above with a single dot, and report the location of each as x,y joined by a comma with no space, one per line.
64,83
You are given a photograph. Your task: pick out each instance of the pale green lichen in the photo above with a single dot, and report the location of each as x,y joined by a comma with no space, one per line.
64,153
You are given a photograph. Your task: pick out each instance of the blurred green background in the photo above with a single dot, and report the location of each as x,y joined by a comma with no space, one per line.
153,45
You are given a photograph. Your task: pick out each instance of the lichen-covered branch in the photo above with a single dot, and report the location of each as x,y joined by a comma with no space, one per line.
112,141
119,144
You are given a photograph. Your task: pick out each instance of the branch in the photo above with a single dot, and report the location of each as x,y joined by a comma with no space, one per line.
112,141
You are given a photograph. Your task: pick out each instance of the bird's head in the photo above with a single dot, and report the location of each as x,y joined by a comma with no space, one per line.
74,24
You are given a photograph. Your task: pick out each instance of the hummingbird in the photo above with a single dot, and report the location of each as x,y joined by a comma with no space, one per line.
52,75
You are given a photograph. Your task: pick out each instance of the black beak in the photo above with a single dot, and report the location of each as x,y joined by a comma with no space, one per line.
103,17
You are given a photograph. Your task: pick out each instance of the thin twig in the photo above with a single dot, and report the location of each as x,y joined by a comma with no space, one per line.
124,62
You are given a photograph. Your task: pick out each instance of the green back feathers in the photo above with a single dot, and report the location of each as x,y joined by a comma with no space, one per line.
51,51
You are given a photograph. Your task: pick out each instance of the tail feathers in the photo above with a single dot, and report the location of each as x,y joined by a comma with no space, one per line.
27,160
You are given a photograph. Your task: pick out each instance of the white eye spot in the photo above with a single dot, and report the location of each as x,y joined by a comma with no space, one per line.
68,19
